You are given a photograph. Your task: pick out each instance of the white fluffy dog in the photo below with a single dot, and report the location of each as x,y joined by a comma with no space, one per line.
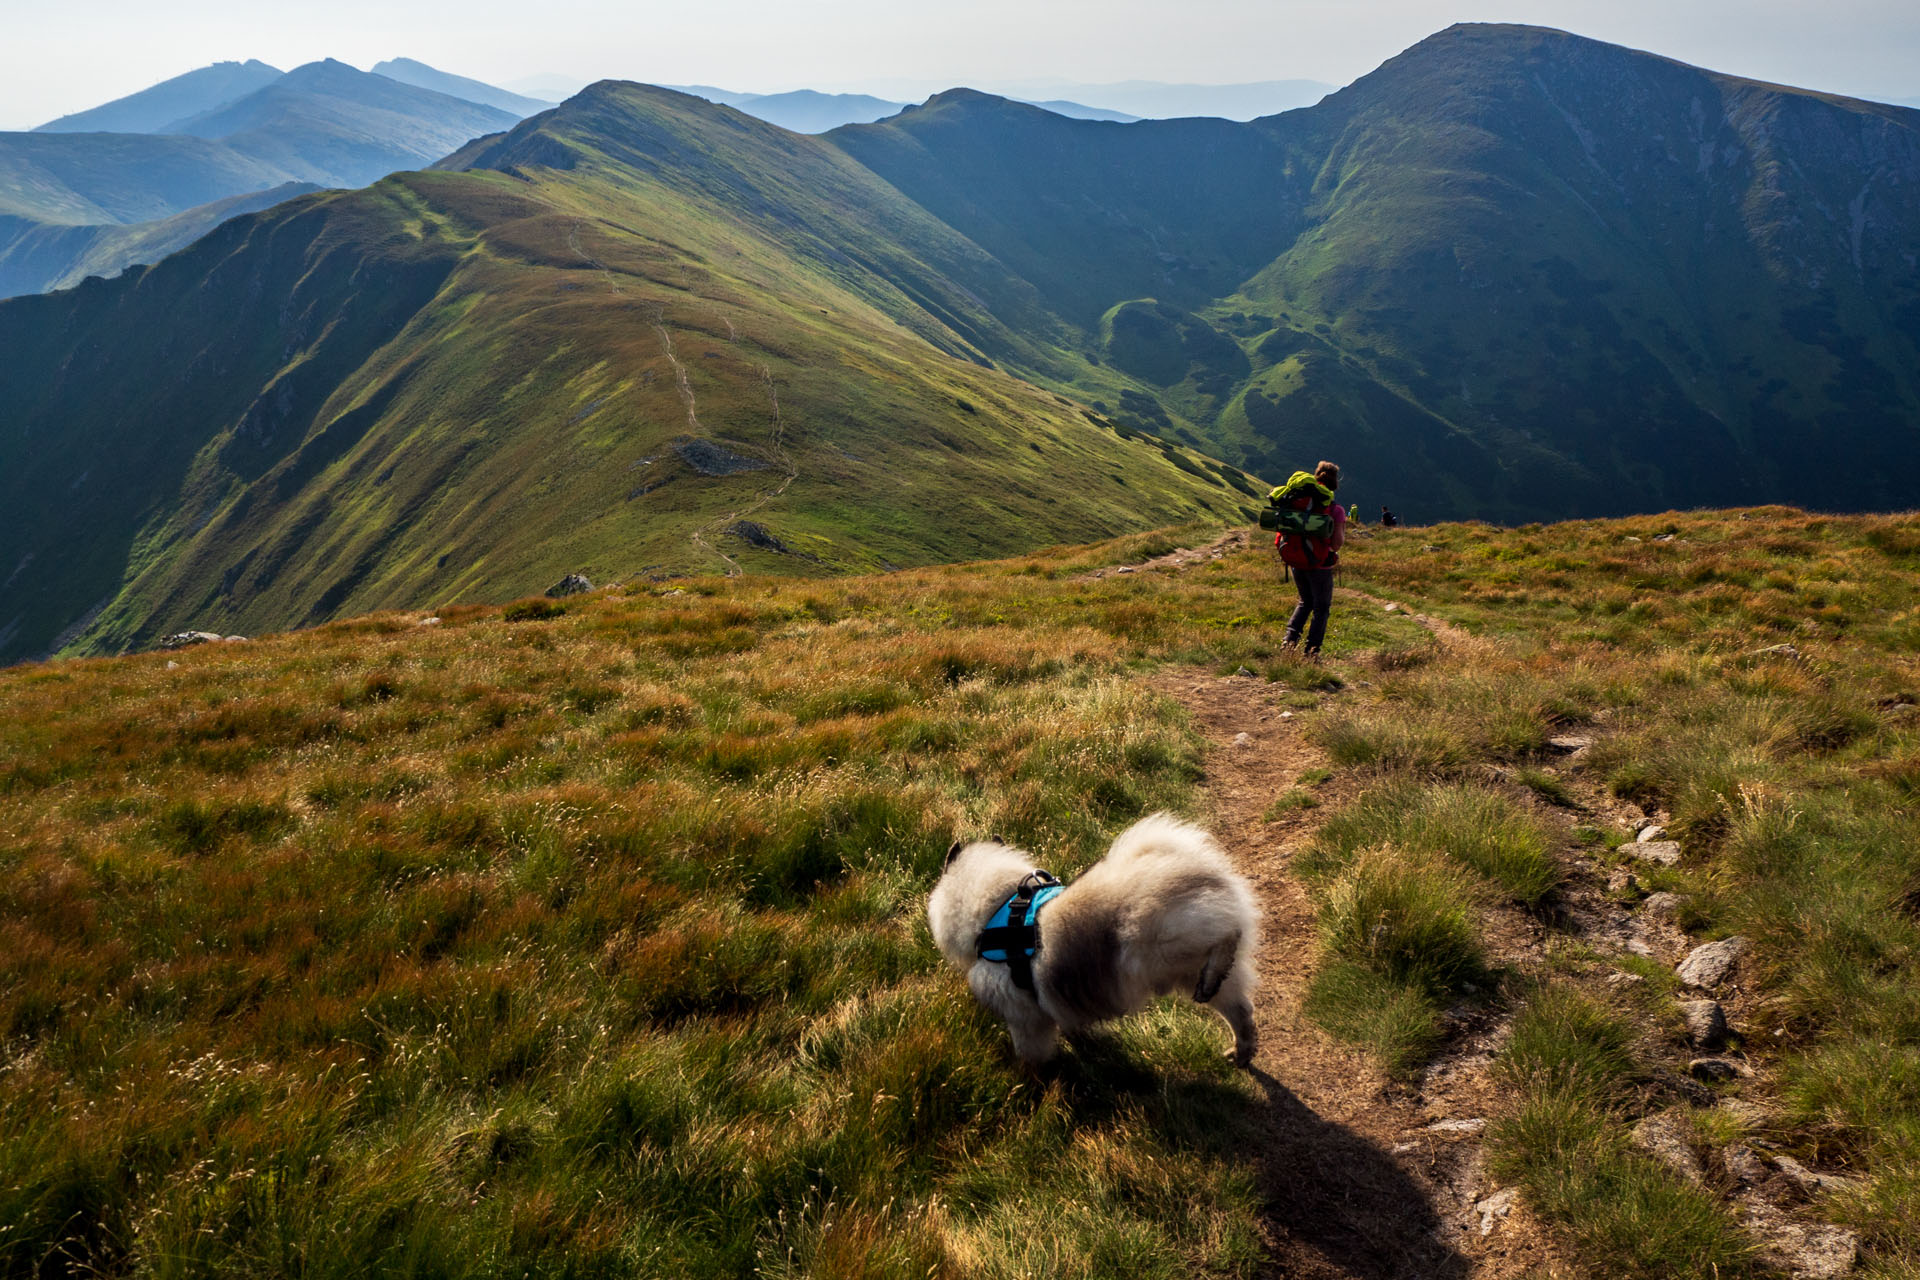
1163,912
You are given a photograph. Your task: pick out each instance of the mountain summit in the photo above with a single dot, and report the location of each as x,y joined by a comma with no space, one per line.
1512,274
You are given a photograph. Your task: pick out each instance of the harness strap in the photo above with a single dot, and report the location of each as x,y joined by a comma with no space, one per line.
1018,938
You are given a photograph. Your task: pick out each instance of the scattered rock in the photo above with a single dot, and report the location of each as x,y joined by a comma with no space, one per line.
1662,906
235,639
1816,1253
1663,537
1495,1207
1706,1023
1624,882
1629,538
710,459
1286,715
1244,671
1743,1164
428,622
1899,709
1392,608
1651,832
758,535
572,585
1715,1070
1242,739
1665,1137
1808,1181
187,639
1570,742
1775,651
1429,547
1127,568
172,665
1621,978
1664,852
1712,963
1472,1125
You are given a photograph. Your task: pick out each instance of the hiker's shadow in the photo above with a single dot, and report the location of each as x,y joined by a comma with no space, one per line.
1327,1189
1339,1194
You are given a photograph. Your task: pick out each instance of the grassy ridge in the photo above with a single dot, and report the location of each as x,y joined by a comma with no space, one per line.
592,943
466,385
1753,675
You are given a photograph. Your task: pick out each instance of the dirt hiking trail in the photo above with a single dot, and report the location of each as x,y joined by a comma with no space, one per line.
1362,1177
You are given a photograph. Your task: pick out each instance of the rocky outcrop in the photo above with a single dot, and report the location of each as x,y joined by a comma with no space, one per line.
573,584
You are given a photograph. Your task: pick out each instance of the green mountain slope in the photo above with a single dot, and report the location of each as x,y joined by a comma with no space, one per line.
640,333
1511,274
153,110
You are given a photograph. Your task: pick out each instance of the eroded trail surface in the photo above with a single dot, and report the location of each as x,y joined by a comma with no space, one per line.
1363,1178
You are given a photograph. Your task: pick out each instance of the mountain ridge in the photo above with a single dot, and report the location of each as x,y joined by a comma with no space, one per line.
1512,274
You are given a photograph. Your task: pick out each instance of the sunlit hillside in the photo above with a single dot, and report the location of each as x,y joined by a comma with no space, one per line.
586,936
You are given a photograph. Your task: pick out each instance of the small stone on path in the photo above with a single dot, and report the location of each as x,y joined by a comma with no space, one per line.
1664,852
1495,1207
1743,1164
1661,906
1706,1023
1472,1125
1664,1136
1712,963
1715,1070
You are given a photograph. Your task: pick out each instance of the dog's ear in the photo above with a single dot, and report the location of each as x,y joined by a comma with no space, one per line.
953,851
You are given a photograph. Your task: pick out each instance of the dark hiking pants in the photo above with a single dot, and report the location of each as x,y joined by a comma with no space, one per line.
1316,598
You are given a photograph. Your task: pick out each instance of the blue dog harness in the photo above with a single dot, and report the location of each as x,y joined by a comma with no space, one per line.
1012,935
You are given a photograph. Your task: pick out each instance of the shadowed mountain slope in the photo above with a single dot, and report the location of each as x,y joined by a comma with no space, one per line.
1513,273
637,333
37,256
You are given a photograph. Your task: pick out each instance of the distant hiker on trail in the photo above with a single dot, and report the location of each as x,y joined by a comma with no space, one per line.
1312,527
1387,519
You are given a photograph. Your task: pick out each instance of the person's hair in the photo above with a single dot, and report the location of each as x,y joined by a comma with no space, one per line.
1328,474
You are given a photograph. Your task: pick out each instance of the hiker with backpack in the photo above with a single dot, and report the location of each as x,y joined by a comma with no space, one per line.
1311,527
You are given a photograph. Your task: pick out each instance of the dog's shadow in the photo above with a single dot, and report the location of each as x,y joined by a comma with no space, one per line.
1328,1190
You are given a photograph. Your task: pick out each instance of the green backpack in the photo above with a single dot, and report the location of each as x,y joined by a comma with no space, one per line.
1299,513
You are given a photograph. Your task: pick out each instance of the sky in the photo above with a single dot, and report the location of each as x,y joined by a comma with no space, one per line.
64,57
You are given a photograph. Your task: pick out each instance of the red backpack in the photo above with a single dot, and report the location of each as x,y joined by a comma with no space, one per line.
1302,512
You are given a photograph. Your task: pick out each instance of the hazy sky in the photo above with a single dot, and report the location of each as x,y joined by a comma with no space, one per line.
62,57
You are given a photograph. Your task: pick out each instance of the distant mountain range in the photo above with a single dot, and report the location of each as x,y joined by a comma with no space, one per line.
1124,100
132,181
805,111
1512,274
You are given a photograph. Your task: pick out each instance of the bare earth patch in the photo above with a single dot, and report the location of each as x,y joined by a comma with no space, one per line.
1363,1178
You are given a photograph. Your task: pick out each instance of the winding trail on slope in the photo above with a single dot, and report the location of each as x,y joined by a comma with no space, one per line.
684,385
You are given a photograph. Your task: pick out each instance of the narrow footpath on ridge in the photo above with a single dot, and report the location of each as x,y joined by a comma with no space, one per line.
1363,1177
